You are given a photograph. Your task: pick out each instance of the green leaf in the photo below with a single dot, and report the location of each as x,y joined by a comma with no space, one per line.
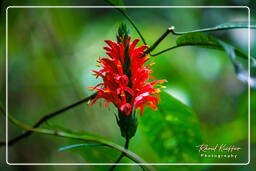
67,147
241,72
203,40
225,26
172,130
209,41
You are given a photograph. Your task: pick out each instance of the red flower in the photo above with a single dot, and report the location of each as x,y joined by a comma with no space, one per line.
125,78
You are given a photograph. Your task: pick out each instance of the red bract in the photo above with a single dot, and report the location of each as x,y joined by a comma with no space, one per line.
125,78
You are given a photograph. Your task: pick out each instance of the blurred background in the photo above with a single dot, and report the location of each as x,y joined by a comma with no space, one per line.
51,53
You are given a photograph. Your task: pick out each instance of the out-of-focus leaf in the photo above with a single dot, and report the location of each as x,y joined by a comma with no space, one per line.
67,147
225,26
209,41
203,40
172,131
241,72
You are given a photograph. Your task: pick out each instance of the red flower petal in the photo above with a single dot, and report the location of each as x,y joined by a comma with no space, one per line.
125,91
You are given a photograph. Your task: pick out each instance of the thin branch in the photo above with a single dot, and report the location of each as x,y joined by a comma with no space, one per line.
159,40
202,45
131,22
44,119
3,113
126,146
168,49
2,109
86,137
211,29
217,28
188,44
135,26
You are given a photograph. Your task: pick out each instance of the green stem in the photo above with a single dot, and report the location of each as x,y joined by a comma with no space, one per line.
198,30
159,40
88,137
166,50
132,23
210,30
202,45
2,109
44,119
126,146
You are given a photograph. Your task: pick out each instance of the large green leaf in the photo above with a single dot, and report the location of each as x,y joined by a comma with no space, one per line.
204,40
172,130
242,73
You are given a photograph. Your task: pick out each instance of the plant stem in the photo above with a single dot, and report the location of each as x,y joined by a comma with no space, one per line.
44,119
126,146
168,49
86,137
212,29
159,40
133,24
202,45
2,109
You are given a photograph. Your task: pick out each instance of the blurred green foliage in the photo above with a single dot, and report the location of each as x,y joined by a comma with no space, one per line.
172,131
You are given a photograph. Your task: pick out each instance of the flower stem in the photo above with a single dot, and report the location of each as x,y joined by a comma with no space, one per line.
44,119
126,146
